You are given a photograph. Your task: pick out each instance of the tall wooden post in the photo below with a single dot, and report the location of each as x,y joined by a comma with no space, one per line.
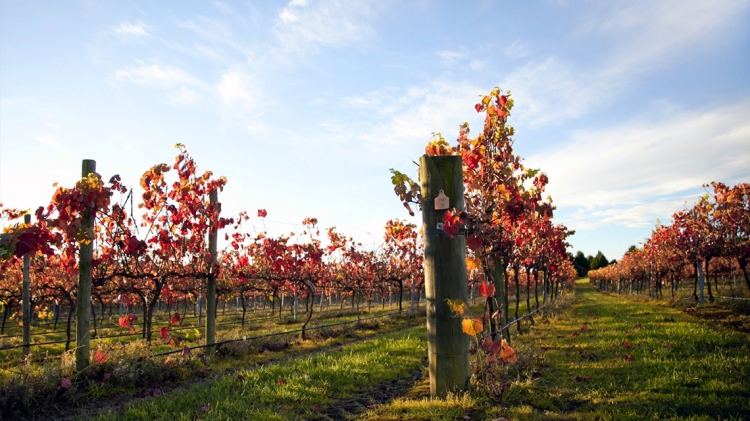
445,277
85,254
211,285
26,297
701,282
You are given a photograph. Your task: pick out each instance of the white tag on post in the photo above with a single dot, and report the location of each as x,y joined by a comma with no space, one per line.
442,202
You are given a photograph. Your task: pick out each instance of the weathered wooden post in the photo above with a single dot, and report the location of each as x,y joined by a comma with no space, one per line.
445,276
85,254
26,297
211,284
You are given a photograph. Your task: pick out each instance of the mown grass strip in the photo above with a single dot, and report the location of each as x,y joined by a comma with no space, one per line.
608,358
292,390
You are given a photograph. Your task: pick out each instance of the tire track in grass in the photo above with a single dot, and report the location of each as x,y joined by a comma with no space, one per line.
299,389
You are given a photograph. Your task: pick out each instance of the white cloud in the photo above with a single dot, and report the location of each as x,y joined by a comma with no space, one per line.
655,33
518,49
47,140
550,91
632,173
334,23
128,29
217,31
156,75
185,96
450,58
237,85
411,117
640,37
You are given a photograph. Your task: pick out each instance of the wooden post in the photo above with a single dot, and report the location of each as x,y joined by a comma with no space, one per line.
26,297
211,285
701,283
445,277
85,254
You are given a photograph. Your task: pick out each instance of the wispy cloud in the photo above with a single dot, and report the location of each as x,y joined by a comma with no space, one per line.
641,37
616,175
184,96
450,58
409,117
518,49
304,27
156,75
130,29
215,31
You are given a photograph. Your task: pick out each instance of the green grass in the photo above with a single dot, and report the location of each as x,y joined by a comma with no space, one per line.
34,389
644,362
297,389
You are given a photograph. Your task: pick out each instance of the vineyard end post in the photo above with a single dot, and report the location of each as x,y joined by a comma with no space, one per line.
26,297
211,284
85,254
445,276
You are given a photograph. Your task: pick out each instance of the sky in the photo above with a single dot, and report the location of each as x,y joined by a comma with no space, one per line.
628,106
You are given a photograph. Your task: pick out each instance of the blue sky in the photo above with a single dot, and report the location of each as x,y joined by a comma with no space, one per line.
629,106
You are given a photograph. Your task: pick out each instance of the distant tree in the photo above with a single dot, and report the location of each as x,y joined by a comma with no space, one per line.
631,249
581,264
599,261
613,261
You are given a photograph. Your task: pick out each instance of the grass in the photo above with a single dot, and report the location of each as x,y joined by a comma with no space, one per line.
300,389
609,358
228,327
129,372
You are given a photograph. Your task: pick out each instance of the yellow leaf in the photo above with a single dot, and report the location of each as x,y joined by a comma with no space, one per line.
457,306
471,326
486,100
472,263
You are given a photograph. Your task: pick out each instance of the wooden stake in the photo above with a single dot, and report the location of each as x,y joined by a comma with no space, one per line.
211,285
445,277
85,254
26,297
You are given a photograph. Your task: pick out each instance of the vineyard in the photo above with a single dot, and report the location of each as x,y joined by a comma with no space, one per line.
114,302
711,239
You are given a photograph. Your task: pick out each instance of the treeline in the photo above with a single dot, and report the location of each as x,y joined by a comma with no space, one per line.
583,264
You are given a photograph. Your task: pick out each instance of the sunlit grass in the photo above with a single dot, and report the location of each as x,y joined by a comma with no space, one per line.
644,361
293,389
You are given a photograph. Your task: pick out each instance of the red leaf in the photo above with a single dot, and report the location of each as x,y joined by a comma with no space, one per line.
628,358
176,318
163,332
65,383
487,289
491,346
281,381
262,213
474,242
100,357
185,351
